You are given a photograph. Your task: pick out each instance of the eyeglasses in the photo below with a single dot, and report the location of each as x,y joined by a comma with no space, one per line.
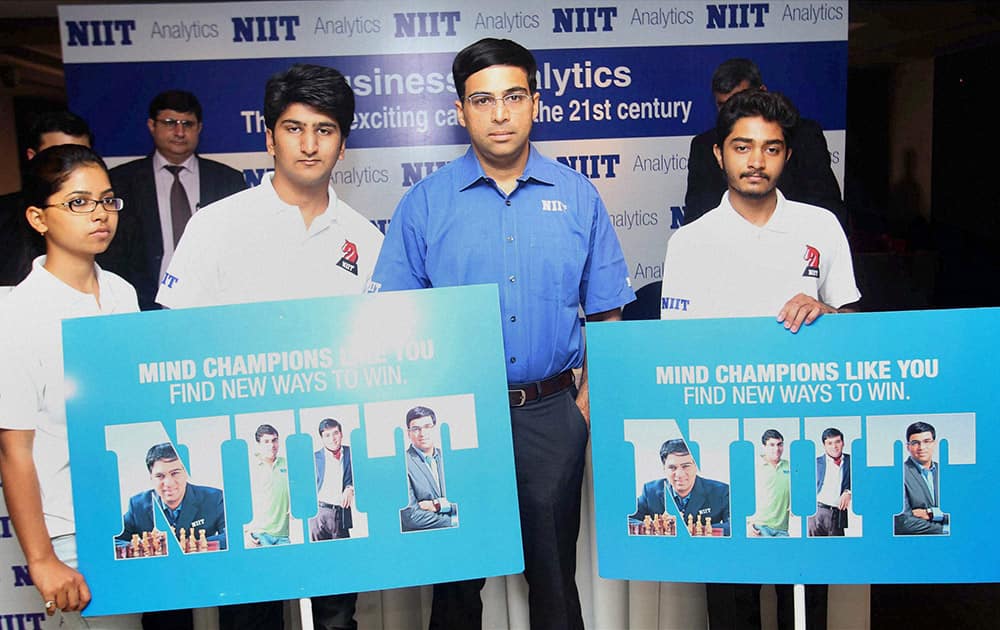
916,443
172,123
487,102
86,206
421,428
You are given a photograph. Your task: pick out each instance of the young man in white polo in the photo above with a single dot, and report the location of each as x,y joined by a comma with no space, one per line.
758,255
288,238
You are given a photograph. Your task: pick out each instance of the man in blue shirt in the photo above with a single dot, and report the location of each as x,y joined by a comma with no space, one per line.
503,214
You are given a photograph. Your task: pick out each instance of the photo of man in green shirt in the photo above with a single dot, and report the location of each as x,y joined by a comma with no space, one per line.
269,481
774,495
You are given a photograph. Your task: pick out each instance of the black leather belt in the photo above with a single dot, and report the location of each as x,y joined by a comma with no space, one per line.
522,393
825,506
327,505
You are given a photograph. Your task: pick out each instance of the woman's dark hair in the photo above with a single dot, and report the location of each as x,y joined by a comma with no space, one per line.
50,169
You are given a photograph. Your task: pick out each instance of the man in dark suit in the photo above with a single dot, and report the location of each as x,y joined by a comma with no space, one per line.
334,485
697,497
807,176
428,506
921,485
161,191
833,487
19,244
184,505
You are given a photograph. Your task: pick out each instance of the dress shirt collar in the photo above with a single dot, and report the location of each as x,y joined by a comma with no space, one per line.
470,171
159,162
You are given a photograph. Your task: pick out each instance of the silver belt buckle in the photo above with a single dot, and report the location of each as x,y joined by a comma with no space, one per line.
524,397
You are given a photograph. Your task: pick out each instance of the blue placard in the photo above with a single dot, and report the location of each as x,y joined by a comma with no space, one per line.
720,385
204,380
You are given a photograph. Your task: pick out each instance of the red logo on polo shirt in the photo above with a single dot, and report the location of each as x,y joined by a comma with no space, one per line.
350,260
812,262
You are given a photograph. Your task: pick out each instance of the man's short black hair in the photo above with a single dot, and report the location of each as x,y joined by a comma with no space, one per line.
771,434
177,100
160,452
920,427
265,429
65,122
771,106
732,72
320,87
832,433
673,447
489,52
329,423
420,412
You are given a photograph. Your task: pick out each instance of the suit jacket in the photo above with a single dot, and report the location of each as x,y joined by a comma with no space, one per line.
345,459
807,177
845,473
202,508
708,498
423,488
917,495
137,250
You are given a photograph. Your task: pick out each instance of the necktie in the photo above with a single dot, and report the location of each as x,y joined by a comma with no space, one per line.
180,207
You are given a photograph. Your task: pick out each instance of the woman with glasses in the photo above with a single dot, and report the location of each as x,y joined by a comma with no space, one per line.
71,206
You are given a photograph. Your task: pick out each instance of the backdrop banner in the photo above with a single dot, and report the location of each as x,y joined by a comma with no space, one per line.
624,86
240,515
730,450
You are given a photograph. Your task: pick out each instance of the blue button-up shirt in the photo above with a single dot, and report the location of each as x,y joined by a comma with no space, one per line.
549,247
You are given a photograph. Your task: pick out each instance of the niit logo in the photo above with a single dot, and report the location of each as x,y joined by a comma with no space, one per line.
737,15
583,19
553,205
674,304
593,166
168,280
413,172
265,28
427,23
99,32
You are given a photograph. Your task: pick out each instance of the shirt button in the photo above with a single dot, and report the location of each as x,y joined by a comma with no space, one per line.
510,239
513,359
507,202
513,318
512,279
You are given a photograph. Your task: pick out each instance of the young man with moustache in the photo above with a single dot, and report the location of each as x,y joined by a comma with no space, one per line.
758,255
808,177
503,214
288,238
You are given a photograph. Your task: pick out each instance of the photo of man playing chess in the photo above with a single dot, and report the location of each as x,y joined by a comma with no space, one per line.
703,504
195,514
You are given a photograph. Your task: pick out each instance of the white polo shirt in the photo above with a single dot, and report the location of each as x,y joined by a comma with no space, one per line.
724,266
31,372
253,247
